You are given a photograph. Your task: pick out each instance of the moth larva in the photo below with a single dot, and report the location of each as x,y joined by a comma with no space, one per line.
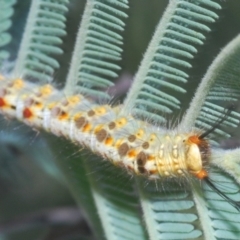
142,149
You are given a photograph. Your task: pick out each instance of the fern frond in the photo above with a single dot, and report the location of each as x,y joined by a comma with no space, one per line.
163,69
169,213
6,12
97,48
224,219
220,87
41,40
76,178
116,200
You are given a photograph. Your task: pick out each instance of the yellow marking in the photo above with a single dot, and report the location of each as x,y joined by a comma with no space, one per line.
178,138
73,100
179,171
51,105
161,153
176,166
118,143
76,116
100,110
151,157
46,90
121,122
140,133
132,153
175,161
167,137
152,137
38,104
166,173
175,153
98,128
87,127
63,116
109,141
18,83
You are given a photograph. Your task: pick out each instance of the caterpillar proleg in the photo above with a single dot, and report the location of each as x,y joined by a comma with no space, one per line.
150,151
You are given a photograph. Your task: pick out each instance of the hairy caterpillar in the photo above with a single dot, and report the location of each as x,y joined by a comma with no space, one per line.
151,151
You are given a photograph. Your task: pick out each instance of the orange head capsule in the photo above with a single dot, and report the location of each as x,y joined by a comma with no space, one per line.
197,156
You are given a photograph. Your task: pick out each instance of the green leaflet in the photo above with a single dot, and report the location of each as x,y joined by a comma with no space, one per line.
218,90
224,218
42,37
97,48
163,70
169,211
75,173
6,12
116,199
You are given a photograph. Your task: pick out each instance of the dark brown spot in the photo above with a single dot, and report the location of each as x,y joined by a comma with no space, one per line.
141,159
65,102
130,168
37,103
55,111
10,84
101,135
145,145
91,113
80,122
112,125
63,114
123,149
28,102
131,138
153,172
141,169
3,92
38,94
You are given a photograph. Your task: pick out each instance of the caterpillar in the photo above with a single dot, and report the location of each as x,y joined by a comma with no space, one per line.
150,151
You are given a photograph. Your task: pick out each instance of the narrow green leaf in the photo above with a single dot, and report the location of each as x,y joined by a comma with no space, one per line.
41,40
116,200
167,58
218,90
97,49
76,177
6,12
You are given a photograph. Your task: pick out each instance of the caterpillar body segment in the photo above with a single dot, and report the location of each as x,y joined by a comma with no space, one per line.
139,147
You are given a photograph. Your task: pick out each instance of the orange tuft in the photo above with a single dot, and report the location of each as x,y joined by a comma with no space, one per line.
109,141
2,102
195,139
87,127
27,113
132,153
151,157
201,174
63,116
